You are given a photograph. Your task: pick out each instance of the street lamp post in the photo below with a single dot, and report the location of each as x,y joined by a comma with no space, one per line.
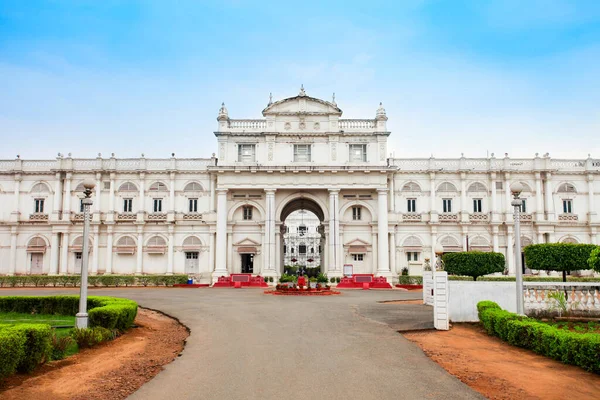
81,317
516,190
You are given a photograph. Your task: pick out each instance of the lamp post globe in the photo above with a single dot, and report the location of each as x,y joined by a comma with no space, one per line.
81,318
516,189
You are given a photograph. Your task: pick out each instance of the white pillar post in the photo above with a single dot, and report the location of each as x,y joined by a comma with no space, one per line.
540,238
465,234
383,265
432,257
270,233
230,253
16,212
171,211
508,212
109,251
170,250
111,199
211,251
211,190
432,209
549,202
392,247
510,254
277,250
374,249
54,252
494,197
64,254
496,247
221,239
67,197
464,211
57,205
139,267
539,213
591,209
333,229
96,248
96,214
142,198
12,267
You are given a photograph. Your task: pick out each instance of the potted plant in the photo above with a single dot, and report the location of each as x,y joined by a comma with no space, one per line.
313,283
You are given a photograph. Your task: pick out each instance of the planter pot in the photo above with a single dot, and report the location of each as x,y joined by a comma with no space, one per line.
313,285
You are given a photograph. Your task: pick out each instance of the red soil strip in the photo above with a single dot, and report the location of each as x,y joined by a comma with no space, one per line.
113,370
501,371
303,293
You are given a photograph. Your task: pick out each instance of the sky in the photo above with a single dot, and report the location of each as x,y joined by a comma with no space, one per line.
132,77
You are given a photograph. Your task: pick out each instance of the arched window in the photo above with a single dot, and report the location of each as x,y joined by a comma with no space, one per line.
156,245
158,187
78,244
36,245
450,244
477,187
128,187
39,188
156,241
193,187
411,187
479,243
570,239
126,245
412,241
192,243
567,188
447,187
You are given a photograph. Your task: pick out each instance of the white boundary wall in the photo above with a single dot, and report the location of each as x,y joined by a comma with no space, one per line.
463,297
428,288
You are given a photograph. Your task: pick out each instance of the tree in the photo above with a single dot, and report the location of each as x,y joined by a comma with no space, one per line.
558,257
473,263
594,260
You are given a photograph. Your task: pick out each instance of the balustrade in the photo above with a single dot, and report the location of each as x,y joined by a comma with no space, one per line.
252,124
357,124
581,298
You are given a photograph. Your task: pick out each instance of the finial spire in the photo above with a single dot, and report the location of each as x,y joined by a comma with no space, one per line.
270,98
380,115
223,114
333,99
302,92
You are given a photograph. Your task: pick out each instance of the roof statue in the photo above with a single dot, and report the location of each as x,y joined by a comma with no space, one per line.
223,114
381,113
302,92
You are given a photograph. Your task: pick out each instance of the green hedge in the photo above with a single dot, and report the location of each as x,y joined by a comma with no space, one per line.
558,256
410,280
473,263
94,280
594,260
108,312
23,347
581,349
527,278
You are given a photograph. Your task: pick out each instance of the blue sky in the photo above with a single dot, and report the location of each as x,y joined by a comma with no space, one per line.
134,77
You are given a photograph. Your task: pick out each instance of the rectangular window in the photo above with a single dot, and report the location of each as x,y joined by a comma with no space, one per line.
106,185
412,205
499,185
447,205
39,205
477,205
523,207
358,153
246,152
356,213
157,205
302,229
247,213
412,256
193,205
567,206
302,249
127,205
302,153
358,257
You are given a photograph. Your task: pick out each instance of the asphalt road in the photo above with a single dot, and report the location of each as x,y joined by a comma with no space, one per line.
247,345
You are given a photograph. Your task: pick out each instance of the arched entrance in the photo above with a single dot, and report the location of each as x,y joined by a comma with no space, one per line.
303,237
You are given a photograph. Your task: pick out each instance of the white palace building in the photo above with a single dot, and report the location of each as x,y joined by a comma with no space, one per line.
215,216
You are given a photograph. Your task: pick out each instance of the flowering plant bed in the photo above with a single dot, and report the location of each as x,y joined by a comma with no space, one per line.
308,292
410,287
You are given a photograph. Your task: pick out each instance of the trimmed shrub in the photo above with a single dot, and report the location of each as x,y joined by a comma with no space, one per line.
581,349
558,256
410,280
473,263
12,350
89,337
38,345
60,346
594,260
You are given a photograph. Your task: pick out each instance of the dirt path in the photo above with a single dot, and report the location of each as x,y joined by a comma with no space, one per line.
501,371
110,371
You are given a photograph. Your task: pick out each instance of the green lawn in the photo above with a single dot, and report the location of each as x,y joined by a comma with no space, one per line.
579,327
52,320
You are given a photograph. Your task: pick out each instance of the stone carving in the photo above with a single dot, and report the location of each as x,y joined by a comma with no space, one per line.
287,126
382,151
270,151
333,151
317,126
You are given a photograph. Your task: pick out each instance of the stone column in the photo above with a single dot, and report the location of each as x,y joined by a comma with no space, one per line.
549,202
494,197
278,251
67,197
109,251
432,209
221,239
591,209
96,215
139,266
211,251
64,254
230,253
540,238
111,199
508,209
57,204
464,210
95,250
510,251
12,266
142,199
16,212
539,199
171,212
465,234
392,247
270,233
496,248
374,249
170,250
211,188
432,259
383,265
334,236
54,252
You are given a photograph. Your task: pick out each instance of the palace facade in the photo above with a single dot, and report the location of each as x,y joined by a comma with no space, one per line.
226,214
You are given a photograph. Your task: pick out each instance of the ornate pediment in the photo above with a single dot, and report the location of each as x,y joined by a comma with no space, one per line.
302,104
247,242
357,242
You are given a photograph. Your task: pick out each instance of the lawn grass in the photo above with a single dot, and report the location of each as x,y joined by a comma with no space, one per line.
52,320
577,327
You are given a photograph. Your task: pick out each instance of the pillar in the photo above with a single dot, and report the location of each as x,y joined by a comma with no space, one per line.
269,250
211,188
465,234
57,204
12,267
171,211
170,250
96,249
432,209
383,265
111,199
432,259
230,253
211,252
591,209
549,202
67,197
392,247
64,254
334,236
96,215
221,239
496,247
540,238
142,199
464,210
109,251
374,249
539,199
510,252
139,266
494,197
54,253
278,250
508,209
16,212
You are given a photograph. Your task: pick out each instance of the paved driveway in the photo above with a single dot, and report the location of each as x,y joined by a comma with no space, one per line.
247,345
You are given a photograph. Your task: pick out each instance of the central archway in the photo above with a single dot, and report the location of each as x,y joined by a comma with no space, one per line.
303,236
